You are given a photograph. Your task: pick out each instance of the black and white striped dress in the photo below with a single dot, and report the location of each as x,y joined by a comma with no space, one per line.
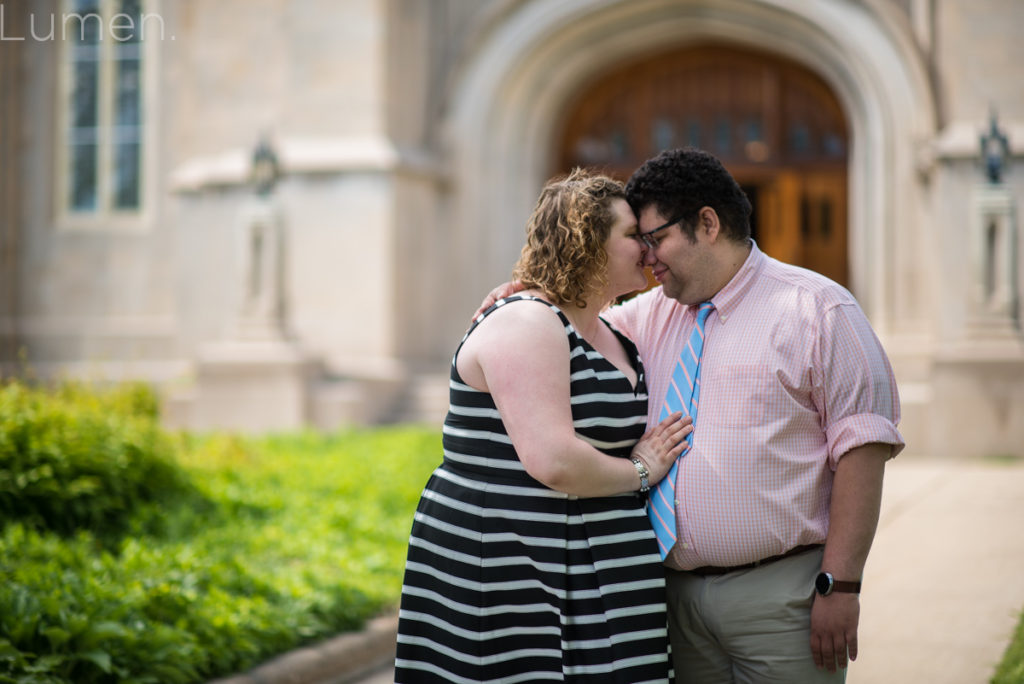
509,581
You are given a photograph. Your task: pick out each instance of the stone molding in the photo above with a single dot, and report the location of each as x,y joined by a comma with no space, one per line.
142,325
960,139
302,156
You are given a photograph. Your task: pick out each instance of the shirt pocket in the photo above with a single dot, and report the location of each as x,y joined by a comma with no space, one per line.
740,396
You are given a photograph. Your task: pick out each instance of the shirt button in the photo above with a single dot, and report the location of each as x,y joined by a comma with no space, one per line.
677,502
685,545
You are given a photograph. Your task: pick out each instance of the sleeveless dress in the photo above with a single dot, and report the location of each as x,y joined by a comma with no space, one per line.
510,581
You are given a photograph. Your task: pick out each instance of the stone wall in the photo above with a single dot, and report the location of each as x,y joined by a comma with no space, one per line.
11,77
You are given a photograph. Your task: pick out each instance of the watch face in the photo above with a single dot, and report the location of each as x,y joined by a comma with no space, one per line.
823,583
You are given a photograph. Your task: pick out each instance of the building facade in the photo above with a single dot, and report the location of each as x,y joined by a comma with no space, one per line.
407,142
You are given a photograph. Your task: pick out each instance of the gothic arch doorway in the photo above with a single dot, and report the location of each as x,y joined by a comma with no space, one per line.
776,126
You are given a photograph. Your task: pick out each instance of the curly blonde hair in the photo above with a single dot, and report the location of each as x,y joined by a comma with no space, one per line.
564,254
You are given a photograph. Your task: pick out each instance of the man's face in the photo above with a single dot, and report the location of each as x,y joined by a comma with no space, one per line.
683,267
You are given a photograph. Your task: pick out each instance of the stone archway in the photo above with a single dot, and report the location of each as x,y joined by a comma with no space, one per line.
501,132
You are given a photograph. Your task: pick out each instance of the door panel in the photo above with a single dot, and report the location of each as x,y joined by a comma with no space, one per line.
801,219
823,225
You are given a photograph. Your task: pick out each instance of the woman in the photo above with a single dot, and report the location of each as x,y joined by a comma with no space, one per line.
531,557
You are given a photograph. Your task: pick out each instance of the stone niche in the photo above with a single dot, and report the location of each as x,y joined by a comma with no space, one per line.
979,378
288,314
258,378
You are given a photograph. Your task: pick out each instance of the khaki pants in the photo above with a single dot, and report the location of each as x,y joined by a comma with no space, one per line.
746,626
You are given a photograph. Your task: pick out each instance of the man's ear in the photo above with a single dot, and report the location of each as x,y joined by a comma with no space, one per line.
708,223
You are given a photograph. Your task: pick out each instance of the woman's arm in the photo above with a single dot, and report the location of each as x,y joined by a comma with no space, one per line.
520,354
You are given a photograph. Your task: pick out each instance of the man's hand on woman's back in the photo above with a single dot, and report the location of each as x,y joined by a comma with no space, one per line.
500,292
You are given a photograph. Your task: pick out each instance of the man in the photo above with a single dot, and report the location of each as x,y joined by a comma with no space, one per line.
797,415
796,418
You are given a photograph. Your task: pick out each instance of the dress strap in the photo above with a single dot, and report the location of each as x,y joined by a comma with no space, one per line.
505,302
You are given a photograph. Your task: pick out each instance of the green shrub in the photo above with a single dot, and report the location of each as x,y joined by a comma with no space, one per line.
295,538
128,400
73,459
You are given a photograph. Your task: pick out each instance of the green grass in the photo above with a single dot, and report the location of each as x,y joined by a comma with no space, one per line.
253,547
1011,669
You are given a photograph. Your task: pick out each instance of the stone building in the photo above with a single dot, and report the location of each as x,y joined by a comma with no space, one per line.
403,145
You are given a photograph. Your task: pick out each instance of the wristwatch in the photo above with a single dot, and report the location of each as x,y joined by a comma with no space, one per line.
642,471
825,583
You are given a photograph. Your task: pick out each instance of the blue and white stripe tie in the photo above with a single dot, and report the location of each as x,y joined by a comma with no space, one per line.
682,395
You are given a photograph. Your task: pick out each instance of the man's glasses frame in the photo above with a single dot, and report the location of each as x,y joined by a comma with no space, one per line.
650,243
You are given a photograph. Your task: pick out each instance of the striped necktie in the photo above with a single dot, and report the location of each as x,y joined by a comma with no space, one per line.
682,395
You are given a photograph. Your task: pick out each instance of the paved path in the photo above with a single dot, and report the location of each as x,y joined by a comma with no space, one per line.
385,675
944,584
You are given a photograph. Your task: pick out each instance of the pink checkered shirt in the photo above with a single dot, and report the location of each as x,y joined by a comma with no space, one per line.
792,378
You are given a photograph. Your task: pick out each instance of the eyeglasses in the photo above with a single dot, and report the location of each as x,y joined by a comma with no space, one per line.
648,241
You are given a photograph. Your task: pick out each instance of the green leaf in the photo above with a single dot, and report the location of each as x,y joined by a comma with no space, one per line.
102,631
57,636
47,663
7,649
99,658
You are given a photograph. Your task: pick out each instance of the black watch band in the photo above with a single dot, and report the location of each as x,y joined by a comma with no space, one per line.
825,584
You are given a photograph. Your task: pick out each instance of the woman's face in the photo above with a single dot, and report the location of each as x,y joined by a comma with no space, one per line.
625,270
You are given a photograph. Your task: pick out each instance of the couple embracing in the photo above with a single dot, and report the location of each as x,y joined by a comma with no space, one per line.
562,540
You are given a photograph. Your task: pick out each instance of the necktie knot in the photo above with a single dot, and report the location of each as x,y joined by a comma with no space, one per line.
703,311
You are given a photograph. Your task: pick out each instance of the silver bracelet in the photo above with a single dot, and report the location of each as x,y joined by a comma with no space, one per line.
642,471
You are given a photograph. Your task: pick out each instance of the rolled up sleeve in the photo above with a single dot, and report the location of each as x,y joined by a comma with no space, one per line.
859,400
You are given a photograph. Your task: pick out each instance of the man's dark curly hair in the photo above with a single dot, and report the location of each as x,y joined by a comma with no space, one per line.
679,182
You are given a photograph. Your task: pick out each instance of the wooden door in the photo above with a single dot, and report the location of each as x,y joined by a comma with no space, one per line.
801,218
775,125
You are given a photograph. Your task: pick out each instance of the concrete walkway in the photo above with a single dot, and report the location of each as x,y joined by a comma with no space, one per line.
944,585
943,588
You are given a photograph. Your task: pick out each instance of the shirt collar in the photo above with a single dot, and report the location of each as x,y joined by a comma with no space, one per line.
730,296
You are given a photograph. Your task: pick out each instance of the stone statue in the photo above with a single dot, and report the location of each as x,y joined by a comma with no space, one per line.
261,253
265,168
995,148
